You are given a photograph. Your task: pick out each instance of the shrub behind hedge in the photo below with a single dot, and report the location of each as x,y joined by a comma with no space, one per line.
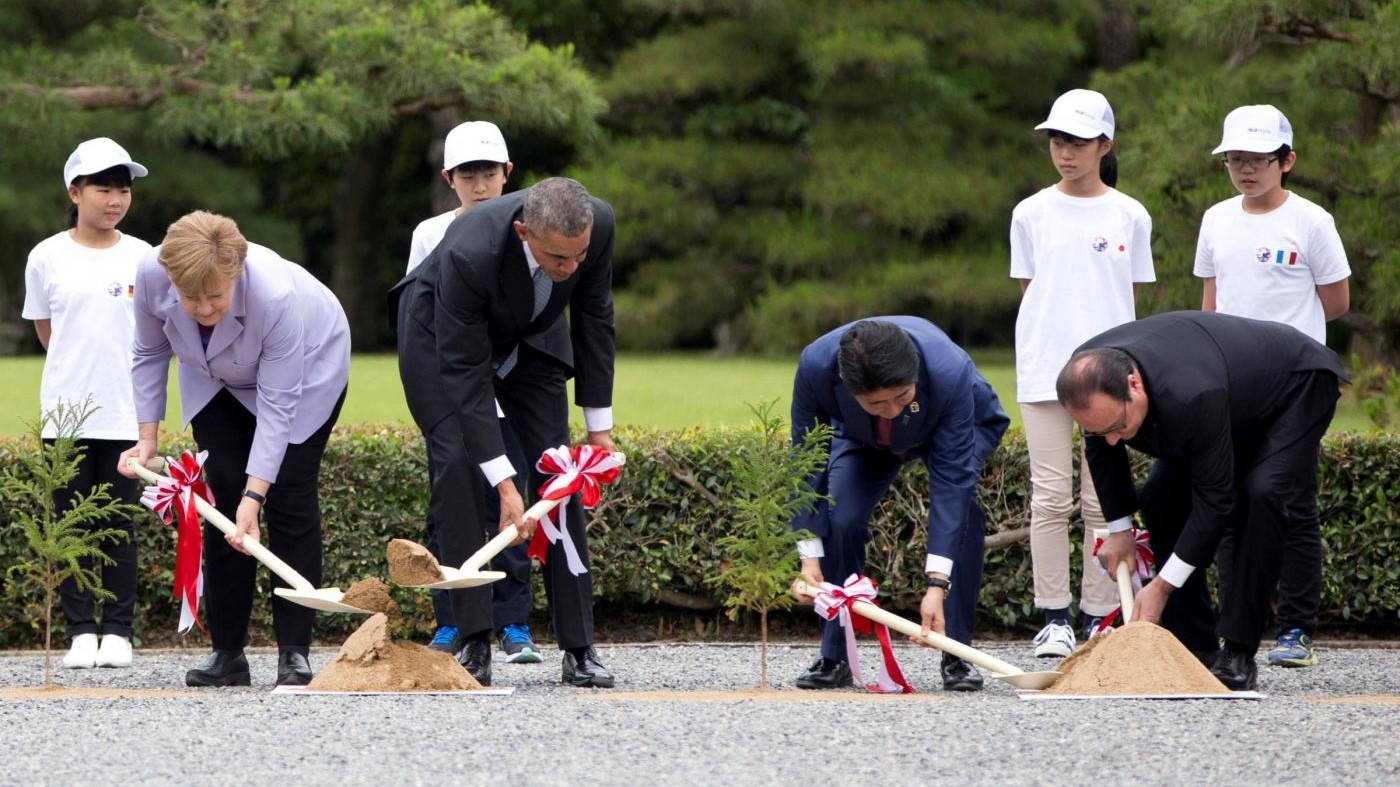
653,536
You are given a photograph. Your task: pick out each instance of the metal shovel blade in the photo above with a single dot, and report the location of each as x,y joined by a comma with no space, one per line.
324,599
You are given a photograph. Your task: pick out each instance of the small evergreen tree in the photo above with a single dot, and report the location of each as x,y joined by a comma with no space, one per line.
63,543
768,485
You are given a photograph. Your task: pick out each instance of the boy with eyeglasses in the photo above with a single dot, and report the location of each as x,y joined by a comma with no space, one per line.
1270,254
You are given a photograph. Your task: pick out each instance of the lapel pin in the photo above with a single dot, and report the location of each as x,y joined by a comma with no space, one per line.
913,407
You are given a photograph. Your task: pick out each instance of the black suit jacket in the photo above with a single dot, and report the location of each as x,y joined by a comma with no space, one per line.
1214,383
462,311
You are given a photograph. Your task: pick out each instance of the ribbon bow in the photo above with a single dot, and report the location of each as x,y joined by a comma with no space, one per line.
835,602
579,470
182,485
1143,561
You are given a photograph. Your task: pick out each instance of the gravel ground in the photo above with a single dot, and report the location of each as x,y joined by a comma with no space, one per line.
549,734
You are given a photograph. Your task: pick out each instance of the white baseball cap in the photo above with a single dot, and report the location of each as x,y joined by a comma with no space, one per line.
1258,128
476,140
98,154
1080,113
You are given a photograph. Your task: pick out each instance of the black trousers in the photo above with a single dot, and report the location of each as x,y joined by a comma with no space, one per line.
1275,511
291,519
97,464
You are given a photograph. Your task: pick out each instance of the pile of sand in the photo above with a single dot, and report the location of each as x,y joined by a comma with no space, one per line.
412,564
1139,658
369,661
371,594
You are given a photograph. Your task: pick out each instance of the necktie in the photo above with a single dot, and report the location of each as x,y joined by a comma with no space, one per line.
543,288
882,431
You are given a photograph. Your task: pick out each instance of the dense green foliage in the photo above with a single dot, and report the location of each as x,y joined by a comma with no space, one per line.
655,536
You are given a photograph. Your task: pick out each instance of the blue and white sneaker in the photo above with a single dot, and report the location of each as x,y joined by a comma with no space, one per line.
446,639
515,642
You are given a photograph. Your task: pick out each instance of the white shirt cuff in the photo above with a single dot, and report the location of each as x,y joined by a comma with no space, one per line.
598,419
937,564
1120,525
810,547
1176,571
497,470
499,412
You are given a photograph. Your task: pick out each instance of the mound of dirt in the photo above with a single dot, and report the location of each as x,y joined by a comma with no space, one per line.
371,594
412,564
1139,658
370,661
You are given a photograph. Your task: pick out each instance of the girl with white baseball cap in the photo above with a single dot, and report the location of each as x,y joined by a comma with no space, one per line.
1079,248
1271,254
79,288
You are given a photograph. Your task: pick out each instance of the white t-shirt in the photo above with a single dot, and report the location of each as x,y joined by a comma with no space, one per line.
86,294
426,237
1268,266
1082,255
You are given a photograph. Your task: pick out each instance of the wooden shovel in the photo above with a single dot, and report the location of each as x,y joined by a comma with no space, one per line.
997,668
1125,583
301,592
470,574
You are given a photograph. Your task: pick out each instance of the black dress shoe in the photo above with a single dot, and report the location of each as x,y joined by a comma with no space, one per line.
958,675
1236,670
293,668
476,657
825,674
587,671
220,668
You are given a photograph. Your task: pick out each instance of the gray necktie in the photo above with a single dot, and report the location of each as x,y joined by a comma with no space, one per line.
543,288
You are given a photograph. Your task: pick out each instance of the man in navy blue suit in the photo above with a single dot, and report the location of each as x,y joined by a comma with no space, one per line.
896,390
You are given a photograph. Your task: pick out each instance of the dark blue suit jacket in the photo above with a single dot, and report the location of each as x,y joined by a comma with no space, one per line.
953,424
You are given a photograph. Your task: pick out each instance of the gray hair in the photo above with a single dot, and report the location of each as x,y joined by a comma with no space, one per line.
558,205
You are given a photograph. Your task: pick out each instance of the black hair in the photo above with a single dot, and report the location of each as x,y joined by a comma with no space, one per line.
876,355
471,167
1281,154
1102,370
1108,165
118,176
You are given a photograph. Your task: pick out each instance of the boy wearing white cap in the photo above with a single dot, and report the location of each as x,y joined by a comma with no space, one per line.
476,165
1079,249
79,286
1270,254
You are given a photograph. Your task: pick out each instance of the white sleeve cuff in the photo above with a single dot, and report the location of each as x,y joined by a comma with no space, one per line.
937,564
810,547
499,412
598,419
497,470
1120,525
1176,571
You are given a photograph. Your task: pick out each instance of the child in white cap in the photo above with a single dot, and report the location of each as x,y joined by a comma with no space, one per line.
1079,249
1271,254
79,286
475,165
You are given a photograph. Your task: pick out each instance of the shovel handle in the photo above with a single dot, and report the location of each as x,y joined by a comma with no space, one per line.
1125,592
211,515
909,628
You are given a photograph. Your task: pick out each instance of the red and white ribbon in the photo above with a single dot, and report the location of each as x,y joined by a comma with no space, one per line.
836,602
579,470
182,485
1143,561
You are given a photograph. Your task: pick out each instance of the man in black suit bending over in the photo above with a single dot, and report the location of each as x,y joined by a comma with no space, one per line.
1234,410
481,326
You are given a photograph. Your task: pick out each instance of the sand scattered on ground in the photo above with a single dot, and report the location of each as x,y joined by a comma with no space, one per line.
1139,658
57,692
370,661
756,695
1360,699
411,563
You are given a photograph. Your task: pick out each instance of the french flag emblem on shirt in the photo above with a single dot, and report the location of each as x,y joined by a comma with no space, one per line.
1282,257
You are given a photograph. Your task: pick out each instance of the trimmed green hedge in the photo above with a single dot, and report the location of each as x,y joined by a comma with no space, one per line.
653,537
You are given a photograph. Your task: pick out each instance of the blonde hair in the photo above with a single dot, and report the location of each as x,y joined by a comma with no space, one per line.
200,249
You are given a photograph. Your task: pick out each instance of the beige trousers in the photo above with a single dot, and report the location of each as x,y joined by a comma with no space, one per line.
1050,444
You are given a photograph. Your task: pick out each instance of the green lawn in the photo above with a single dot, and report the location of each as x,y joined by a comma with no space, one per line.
668,391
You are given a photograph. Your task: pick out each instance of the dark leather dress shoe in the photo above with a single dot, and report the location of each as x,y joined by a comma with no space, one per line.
825,674
220,668
293,668
958,675
1236,670
475,656
587,672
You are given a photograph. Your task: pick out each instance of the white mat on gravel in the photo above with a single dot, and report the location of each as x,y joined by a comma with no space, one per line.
503,691
1234,695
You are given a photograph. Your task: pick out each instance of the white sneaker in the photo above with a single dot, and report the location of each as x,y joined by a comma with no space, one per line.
1056,639
83,653
115,651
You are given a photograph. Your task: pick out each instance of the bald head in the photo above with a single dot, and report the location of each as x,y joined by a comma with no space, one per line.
1099,370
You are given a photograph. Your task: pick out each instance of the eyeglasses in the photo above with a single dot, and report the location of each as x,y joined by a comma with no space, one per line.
1252,162
1118,426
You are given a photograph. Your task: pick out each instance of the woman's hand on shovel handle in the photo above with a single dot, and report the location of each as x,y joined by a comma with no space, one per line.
144,450
246,520
1151,599
931,616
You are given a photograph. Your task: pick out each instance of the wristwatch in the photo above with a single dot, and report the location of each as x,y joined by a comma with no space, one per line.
938,582
255,496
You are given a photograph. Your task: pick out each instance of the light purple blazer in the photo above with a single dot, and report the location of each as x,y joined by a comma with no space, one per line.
282,349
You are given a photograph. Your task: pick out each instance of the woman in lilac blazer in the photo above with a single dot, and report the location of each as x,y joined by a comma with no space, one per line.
264,361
